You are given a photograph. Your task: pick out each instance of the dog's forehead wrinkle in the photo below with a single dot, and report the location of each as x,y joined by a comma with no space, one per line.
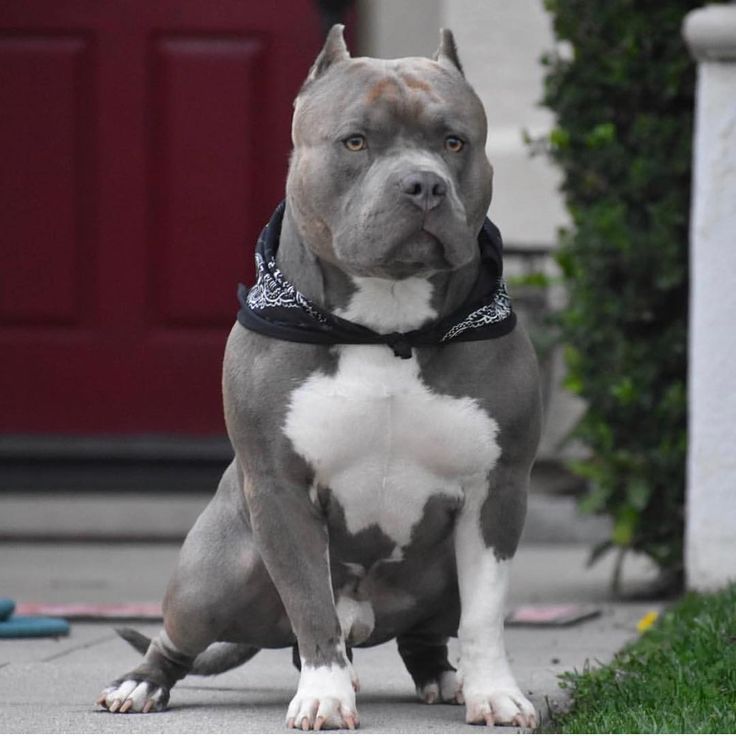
415,83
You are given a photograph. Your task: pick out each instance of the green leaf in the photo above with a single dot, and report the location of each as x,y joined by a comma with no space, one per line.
595,500
574,384
624,526
559,139
624,390
537,279
602,134
638,492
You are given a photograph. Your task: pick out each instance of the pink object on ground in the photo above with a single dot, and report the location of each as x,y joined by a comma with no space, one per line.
93,611
563,614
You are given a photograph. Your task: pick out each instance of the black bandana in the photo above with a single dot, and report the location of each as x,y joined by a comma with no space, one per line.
275,308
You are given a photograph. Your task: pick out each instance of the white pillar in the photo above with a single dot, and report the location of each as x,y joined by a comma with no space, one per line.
710,543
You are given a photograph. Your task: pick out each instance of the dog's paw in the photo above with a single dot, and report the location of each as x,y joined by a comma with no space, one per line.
447,688
325,698
133,696
505,706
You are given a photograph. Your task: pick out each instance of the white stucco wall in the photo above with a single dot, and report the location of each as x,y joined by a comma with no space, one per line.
711,498
393,28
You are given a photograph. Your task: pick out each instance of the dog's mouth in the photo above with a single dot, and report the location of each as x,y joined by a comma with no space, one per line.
406,269
421,255
422,252
421,249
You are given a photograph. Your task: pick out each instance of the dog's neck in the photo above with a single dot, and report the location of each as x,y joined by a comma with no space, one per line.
323,283
333,290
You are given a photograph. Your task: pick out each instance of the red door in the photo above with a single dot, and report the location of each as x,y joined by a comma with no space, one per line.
143,143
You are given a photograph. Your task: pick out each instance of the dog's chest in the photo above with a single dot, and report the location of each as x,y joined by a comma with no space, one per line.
383,442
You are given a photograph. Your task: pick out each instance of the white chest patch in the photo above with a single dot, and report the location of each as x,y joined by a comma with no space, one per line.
375,434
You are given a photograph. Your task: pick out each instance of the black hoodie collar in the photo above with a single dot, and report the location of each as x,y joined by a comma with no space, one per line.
274,307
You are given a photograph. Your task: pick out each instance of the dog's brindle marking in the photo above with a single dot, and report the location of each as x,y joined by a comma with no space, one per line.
371,497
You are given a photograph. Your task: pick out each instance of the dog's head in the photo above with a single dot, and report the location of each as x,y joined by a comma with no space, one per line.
388,175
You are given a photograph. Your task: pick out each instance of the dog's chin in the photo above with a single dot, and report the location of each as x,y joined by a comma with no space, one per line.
421,255
398,270
411,269
393,271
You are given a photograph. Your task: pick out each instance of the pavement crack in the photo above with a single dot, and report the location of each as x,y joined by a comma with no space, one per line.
78,647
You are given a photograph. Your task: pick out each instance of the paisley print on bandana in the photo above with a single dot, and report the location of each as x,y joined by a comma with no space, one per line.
489,314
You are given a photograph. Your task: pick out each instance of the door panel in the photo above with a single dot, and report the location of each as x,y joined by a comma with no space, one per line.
44,81
192,133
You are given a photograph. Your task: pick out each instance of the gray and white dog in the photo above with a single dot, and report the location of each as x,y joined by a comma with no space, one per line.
372,496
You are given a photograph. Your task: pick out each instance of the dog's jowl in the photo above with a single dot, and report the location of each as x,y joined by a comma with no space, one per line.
383,405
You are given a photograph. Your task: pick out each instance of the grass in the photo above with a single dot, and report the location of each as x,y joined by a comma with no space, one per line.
679,677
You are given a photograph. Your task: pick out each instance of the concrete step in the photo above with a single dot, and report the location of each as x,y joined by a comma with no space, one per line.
144,463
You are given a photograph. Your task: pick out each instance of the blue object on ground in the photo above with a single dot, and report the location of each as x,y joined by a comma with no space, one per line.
17,627
7,606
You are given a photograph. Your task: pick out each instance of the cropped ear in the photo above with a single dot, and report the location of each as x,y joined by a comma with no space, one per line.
333,51
446,53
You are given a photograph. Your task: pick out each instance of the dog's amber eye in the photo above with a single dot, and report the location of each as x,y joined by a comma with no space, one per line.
355,143
454,144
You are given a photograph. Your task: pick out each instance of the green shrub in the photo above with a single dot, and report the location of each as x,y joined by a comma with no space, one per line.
624,107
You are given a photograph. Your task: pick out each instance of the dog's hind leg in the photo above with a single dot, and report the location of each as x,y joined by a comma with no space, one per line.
218,657
147,687
425,656
215,582
167,659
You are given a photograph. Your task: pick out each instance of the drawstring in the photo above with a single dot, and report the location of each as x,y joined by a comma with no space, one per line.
399,344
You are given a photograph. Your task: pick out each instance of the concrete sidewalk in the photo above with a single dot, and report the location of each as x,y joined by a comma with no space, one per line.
49,685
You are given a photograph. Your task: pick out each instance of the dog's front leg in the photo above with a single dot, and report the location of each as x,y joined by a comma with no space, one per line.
486,535
292,539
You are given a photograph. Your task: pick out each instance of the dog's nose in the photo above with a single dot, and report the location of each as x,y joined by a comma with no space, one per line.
424,188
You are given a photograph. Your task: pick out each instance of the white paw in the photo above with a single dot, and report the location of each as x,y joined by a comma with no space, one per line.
500,706
447,689
325,698
134,696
